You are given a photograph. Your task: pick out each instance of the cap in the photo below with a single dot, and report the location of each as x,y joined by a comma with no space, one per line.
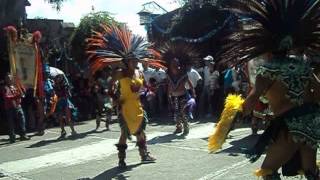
208,58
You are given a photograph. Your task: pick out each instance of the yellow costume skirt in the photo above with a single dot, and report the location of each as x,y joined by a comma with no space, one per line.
133,119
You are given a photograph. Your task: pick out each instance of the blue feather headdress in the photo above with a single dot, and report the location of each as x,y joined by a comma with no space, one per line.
115,45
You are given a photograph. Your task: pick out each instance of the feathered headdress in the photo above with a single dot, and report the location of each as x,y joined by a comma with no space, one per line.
182,53
275,26
116,44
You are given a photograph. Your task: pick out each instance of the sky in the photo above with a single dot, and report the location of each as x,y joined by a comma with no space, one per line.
72,10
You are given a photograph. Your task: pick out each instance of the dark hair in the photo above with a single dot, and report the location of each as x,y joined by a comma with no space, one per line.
280,54
152,80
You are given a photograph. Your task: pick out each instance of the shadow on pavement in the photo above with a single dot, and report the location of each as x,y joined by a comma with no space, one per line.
5,143
168,120
165,139
241,146
72,138
114,173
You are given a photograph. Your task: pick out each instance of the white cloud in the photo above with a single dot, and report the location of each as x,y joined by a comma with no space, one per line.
72,10
133,23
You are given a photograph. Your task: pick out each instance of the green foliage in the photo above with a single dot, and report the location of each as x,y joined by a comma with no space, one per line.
56,3
92,21
88,23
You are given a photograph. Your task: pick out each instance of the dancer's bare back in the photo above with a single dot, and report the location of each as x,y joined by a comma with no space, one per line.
276,92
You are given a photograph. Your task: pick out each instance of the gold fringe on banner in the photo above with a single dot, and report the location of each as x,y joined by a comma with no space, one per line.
36,73
38,77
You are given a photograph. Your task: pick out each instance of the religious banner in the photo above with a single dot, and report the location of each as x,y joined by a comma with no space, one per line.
12,41
25,63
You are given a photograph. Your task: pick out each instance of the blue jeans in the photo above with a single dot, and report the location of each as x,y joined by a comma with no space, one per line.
16,115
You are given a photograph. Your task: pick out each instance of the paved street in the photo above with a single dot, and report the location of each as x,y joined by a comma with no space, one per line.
92,155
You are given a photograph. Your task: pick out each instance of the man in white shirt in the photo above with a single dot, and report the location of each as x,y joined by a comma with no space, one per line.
211,83
194,77
147,72
160,76
149,104
236,81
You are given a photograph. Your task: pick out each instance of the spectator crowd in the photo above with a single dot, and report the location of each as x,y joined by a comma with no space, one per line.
80,97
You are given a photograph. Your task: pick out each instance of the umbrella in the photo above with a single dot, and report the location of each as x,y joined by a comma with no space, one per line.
55,71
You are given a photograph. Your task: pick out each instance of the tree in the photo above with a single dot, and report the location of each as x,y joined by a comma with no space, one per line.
56,3
88,23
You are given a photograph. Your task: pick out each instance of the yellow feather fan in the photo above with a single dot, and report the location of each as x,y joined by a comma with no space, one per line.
233,105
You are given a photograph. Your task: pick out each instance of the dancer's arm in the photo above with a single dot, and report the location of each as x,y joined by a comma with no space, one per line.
117,75
260,88
192,89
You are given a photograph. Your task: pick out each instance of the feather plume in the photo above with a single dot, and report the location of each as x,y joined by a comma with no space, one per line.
232,106
113,45
185,54
271,26
263,172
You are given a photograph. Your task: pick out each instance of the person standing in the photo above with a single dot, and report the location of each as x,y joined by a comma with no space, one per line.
125,51
148,96
179,59
195,78
102,104
207,92
160,77
64,106
148,72
213,87
12,103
